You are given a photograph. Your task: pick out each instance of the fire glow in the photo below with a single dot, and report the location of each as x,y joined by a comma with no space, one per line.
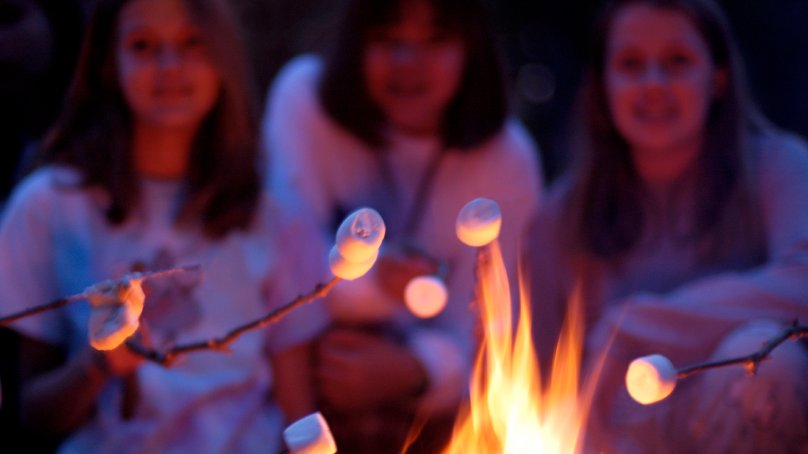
510,410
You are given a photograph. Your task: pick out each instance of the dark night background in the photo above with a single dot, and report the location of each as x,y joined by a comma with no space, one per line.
545,42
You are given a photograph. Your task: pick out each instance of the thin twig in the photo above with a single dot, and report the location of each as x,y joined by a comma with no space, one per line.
751,362
220,344
57,303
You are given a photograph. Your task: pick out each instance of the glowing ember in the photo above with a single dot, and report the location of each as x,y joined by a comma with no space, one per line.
509,410
426,296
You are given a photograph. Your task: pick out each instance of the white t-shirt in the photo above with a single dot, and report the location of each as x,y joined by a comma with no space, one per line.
55,242
662,298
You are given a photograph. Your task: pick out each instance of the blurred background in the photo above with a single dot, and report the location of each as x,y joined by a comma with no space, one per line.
545,42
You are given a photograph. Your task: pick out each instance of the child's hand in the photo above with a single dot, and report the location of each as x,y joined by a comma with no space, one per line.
357,371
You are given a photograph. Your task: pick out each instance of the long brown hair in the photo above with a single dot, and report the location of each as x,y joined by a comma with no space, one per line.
94,133
478,110
605,209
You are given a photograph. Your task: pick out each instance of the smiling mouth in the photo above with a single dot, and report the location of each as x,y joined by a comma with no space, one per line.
172,92
173,98
656,115
406,90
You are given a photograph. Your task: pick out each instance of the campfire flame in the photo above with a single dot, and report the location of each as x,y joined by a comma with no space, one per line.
510,411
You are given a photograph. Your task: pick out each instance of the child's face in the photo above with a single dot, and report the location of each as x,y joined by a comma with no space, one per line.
163,65
659,78
413,69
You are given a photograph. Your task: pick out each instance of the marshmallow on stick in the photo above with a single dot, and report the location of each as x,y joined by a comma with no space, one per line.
310,435
358,240
478,222
116,308
346,269
426,296
360,235
650,379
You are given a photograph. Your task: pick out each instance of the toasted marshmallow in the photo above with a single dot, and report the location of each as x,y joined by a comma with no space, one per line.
478,222
360,235
115,311
426,296
346,269
650,379
310,435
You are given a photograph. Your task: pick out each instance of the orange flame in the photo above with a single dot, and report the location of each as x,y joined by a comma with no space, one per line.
509,410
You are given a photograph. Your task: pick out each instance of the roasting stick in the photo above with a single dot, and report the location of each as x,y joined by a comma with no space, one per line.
222,343
357,246
57,303
478,225
354,253
652,378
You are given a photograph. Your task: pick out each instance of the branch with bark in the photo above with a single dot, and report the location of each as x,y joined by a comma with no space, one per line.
60,302
166,358
222,343
651,378
752,361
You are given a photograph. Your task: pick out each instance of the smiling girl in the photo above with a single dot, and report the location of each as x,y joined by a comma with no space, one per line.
153,165
683,219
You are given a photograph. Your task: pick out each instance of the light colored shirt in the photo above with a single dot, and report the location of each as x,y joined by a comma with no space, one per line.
55,242
662,298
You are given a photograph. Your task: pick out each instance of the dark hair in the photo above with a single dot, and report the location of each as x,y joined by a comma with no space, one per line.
94,132
605,205
478,110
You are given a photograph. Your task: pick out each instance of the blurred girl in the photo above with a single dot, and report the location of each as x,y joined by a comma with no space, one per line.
152,166
407,114
684,221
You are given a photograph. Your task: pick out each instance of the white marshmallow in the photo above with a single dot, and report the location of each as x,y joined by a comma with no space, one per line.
346,269
478,222
115,311
426,296
650,379
310,435
360,235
